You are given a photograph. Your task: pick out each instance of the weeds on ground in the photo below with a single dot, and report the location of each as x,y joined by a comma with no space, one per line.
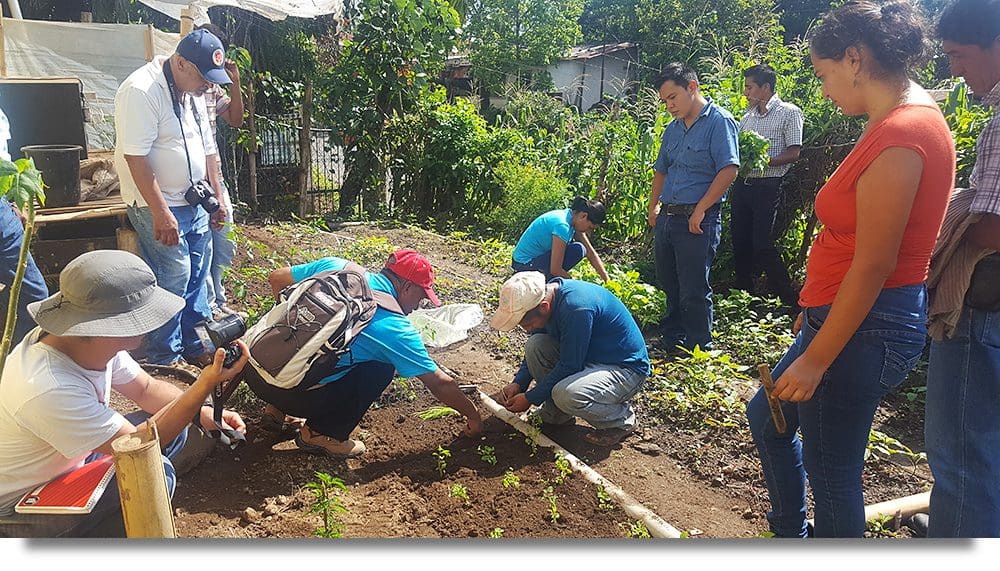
370,252
882,446
492,256
326,492
880,526
460,491
751,329
441,456
646,303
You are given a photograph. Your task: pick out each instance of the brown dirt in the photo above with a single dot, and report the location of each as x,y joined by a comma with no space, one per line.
705,483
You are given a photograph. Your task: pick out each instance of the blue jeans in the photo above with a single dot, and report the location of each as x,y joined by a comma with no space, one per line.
962,428
33,287
600,394
836,422
105,515
575,251
182,270
223,250
683,262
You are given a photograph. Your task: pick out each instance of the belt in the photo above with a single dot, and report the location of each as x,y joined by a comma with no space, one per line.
762,180
678,209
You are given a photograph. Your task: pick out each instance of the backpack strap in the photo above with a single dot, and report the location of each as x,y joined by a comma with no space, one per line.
384,300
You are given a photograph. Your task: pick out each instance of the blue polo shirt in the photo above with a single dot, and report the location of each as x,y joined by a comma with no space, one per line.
389,338
691,157
592,326
537,239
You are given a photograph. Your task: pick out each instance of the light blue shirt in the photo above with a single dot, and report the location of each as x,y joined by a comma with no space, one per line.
691,157
389,338
537,239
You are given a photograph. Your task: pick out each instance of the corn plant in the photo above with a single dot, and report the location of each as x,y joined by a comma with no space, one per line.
487,454
326,501
460,491
510,479
442,456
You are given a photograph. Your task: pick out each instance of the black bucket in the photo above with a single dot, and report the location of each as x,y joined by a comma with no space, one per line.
60,166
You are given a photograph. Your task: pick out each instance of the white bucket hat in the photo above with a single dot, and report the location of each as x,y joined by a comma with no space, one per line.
106,293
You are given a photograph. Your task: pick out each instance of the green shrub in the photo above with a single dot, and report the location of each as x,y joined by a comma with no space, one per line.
528,191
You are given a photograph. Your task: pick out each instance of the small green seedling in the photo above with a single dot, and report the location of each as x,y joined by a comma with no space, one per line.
460,491
326,501
564,468
442,455
497,533
510,479
635,530
487,454
534,432
550,495
436,412
604,499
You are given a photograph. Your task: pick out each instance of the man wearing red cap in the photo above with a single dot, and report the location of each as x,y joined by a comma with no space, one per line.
388,345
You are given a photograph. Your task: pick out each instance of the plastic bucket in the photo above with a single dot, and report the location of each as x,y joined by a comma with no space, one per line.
60,166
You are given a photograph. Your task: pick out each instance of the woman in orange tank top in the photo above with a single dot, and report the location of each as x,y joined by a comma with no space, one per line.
862,327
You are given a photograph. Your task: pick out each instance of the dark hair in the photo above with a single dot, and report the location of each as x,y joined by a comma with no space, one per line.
596,211
217,32
679,73
970,22
762,74
894,33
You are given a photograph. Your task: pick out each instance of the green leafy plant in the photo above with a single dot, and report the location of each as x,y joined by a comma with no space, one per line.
604,500
436,412
550,496
635,529
881,445
460,491
510,479
326,492
563,469
535,430
646,303
880,526
487,454
496,533
753,153
441,457
21,183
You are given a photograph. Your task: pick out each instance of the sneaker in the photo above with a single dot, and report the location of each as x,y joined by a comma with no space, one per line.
313,443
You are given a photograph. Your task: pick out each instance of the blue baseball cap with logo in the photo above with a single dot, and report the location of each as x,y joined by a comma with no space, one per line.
205,51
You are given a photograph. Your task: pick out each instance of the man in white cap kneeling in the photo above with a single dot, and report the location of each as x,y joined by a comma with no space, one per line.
55,390
586,354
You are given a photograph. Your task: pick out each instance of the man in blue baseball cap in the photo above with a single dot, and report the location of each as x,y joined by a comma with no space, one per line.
163,155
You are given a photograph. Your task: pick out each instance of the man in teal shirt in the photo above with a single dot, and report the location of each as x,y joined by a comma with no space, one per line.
333,406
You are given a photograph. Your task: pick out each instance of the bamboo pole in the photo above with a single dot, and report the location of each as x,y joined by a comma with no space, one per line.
142,484
252,151
148,41
187,20
305,149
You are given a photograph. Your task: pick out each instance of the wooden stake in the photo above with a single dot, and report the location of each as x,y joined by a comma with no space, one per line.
142,484
305,150
3,51
777,416
148,37
252,154
187,20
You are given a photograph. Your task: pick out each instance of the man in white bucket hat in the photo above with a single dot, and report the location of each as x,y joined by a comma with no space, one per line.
586,354
55,389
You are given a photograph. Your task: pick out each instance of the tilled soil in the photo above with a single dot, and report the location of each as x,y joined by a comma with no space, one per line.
703,483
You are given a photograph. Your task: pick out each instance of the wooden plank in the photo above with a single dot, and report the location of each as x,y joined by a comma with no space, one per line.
3,51
148,37
89,214
128,240
187,20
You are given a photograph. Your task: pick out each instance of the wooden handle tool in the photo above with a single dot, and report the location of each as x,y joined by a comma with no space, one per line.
776,414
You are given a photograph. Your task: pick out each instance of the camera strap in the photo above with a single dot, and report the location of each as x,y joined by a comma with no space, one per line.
227,436
175,99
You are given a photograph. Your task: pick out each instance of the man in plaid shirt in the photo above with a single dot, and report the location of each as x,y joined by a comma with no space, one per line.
755,198
230,108
963,378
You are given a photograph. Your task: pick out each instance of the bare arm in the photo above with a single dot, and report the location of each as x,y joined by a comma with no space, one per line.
557,257
720,184
593,256
789,155
885,194
165,228
280,279
233,113
444,389
985,233
654,196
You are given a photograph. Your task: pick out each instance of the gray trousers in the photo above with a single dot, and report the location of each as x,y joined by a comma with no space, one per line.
599,394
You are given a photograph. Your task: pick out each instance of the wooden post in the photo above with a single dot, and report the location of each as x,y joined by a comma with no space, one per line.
305,150
148,37
142,485
128,240
187,20
252,151
3,51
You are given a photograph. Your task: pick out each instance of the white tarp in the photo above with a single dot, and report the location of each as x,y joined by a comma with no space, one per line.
270,9
100,55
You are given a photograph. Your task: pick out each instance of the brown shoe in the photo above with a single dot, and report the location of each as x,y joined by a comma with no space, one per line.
315,443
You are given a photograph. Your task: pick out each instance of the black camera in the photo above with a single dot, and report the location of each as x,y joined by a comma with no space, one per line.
201,194
222,333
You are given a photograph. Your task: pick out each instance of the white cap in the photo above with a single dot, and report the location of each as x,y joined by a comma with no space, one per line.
518,295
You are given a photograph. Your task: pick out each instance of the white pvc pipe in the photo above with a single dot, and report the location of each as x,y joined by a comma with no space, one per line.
655,524
15,9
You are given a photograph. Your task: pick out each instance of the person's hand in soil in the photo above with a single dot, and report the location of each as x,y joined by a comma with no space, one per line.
799,381
473,427
509,392
230,419
518,403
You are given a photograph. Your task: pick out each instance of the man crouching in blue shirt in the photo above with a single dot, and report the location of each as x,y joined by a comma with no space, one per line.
586,354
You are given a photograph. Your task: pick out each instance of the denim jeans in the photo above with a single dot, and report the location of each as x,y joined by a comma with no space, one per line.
836,421
575,251
223,250
753,203
683,262
962,428
182,270
105,515
599,394
334,409
33,287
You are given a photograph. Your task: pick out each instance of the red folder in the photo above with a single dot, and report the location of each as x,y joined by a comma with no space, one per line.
75,492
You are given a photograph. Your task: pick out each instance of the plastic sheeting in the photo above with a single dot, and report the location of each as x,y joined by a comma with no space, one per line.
100,55
270,9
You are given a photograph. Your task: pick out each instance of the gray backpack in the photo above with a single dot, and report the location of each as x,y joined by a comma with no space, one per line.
313,324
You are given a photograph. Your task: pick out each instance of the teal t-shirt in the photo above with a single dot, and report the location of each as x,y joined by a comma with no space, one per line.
389,338
537,239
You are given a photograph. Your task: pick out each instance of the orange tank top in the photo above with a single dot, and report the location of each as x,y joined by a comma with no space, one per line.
918,127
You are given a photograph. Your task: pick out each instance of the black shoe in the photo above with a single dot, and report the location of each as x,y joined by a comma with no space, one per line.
918,522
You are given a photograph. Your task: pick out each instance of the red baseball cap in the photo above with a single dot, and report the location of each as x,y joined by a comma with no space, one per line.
413,267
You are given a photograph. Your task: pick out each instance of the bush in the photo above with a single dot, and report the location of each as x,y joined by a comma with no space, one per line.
528,191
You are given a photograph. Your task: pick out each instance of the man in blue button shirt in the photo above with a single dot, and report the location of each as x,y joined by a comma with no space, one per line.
387,346
698,160
586,354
